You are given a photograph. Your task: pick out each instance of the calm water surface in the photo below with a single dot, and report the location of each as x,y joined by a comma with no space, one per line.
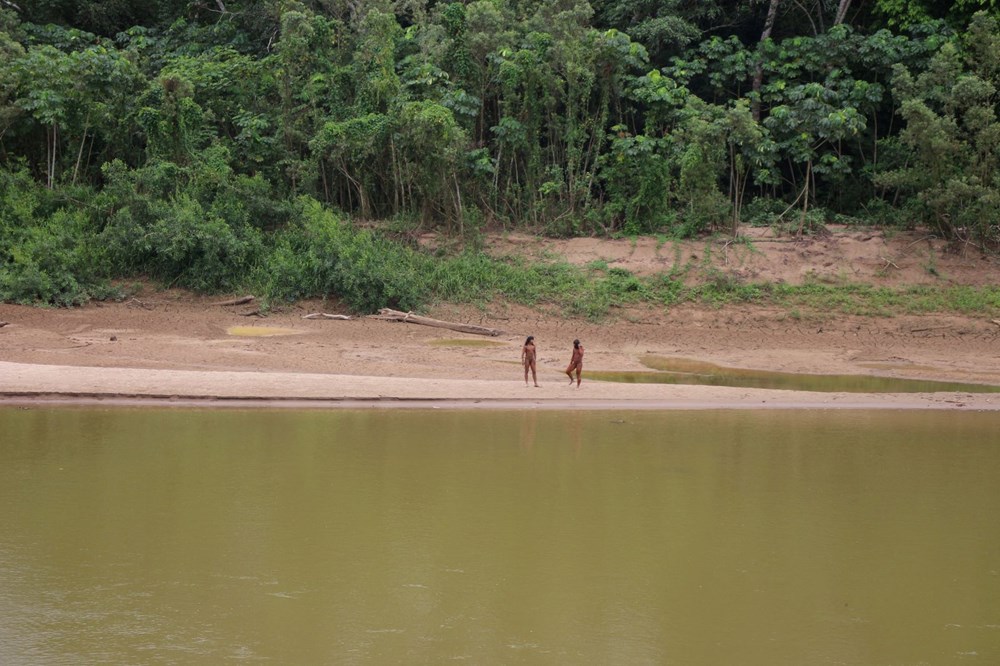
674,370
429,537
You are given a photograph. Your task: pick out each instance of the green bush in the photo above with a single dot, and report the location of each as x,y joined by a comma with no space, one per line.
46,251
50,261
183,245
319,255
763,211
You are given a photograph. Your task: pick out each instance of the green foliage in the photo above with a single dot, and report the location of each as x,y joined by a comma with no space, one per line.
211,98
599,295
321,255
952,136
197,226
473,277
185,245
67,100
909,13
637,183
669,176
374,62
429,143
699,149
656,25
174,125
46,250
174,139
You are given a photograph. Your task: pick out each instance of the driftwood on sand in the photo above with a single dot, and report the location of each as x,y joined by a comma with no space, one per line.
236,301
386,314
323,315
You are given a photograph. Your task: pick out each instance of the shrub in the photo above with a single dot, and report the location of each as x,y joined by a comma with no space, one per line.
183,245
46,251
319,255
49,261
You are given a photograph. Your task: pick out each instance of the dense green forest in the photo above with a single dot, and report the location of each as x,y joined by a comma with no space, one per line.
294,147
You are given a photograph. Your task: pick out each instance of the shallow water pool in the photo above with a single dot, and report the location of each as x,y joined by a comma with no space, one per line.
667,370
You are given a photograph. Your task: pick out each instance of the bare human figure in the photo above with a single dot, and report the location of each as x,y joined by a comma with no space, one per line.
528,356
575,363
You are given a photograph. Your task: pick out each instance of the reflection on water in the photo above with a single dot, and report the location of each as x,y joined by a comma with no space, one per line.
687,371
400,537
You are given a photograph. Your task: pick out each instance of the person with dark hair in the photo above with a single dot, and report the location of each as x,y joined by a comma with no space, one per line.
575,363
528,356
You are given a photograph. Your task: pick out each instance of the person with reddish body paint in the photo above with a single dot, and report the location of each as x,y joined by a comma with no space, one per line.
575,363
528,356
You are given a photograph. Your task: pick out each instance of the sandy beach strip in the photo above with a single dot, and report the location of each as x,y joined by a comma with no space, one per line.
26,383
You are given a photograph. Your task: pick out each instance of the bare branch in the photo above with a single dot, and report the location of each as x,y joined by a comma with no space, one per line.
805,12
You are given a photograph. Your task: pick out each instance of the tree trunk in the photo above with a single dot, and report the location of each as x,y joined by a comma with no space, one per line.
805,199
387,314
758,77
51,156
459,209
842,11
79,154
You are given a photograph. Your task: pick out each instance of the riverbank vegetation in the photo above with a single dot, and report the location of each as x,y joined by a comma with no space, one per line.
296,148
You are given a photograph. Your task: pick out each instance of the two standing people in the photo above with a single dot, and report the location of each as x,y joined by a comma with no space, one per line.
529,357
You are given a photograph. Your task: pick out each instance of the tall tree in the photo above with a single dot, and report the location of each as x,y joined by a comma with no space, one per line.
758,76
950,174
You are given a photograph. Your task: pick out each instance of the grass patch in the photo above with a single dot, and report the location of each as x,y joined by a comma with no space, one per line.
854,299
594,291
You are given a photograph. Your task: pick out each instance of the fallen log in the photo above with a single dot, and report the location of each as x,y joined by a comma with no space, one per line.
323,315
385,314
236,301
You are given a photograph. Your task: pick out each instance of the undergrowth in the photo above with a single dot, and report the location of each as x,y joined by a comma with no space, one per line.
52,253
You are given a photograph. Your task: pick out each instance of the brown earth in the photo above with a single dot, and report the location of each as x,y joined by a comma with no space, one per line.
170,344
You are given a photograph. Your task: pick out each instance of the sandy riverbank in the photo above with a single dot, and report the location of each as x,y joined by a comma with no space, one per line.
172,347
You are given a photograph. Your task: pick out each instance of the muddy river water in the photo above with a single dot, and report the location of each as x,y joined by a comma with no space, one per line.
187,536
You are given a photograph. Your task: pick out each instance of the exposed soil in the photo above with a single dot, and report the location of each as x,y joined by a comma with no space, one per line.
170,343
838,255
